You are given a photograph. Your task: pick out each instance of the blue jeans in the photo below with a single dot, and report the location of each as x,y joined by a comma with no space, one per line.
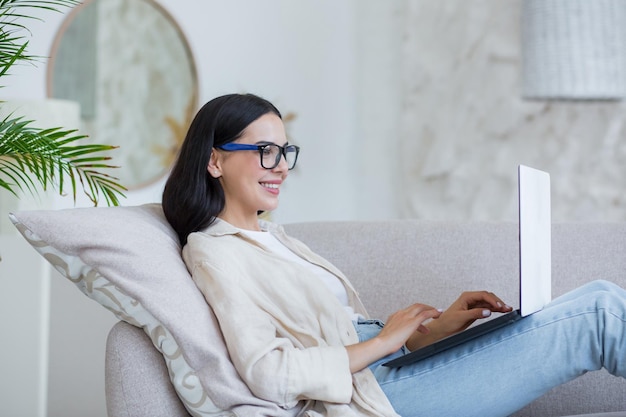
501,372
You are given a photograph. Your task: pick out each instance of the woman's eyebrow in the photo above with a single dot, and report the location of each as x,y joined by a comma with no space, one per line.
267,142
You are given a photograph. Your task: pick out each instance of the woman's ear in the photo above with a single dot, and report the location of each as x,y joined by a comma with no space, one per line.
214,164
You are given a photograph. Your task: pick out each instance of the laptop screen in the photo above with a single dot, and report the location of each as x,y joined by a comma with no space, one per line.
535,240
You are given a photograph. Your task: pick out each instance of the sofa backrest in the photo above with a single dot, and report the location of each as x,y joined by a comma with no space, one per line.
396,263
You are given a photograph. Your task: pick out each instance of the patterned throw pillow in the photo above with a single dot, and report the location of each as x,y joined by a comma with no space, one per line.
128,259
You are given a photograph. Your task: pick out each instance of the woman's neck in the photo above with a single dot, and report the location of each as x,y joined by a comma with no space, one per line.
241,222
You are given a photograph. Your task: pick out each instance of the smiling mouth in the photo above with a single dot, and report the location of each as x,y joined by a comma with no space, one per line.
271,186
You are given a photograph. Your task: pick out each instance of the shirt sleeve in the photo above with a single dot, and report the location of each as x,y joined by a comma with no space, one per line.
275,363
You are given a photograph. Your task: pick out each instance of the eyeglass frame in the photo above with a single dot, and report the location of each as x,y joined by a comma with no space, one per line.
260,148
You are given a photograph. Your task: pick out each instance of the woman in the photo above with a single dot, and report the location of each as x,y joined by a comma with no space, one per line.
294,326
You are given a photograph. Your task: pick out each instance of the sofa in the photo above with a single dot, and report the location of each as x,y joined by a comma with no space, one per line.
391,263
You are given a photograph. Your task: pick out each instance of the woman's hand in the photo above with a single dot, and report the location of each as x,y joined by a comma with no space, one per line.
399,327
468,308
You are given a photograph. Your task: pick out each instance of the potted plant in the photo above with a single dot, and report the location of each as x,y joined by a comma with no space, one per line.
47,157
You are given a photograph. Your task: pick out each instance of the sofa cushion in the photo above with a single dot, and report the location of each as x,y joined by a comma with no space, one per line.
128,260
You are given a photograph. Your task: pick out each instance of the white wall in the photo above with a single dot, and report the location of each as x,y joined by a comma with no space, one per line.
24,285
466,126
380,28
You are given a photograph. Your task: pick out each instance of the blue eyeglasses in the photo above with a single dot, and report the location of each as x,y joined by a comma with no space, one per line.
270,153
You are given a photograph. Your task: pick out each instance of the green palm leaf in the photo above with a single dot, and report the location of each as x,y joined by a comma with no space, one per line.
31,157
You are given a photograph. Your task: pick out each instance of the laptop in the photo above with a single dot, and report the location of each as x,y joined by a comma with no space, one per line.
535,264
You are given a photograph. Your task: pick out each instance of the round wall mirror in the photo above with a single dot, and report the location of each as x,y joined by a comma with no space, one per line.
129,66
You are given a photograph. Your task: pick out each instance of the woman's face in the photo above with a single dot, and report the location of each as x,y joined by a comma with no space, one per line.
248,187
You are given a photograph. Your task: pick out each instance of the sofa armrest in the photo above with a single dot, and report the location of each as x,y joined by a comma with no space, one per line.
136,379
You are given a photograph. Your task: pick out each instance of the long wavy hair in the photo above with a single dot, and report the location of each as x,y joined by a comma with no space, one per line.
192,198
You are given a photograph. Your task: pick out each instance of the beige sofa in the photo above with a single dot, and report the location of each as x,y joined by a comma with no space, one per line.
395,263
171,353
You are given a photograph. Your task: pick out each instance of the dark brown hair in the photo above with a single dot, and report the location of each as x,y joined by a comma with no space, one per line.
192,198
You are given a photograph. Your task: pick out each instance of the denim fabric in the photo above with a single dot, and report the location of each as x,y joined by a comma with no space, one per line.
367,329
501,372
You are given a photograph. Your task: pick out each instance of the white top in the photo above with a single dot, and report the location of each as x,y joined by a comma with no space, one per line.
332,282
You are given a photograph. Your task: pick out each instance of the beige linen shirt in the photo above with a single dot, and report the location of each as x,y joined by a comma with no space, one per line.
286,333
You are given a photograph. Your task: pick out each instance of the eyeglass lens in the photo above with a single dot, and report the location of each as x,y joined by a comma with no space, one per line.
271,154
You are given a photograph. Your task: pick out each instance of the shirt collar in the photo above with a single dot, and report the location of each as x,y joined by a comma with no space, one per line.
221,228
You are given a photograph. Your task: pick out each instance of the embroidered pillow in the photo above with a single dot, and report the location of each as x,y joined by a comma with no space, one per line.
128,260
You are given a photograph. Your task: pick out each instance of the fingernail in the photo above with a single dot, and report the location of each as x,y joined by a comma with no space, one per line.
440,310
499,304
486,313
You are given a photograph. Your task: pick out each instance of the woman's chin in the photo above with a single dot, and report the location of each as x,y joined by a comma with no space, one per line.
267,208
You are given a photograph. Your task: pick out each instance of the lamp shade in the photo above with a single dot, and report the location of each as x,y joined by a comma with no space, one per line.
574,49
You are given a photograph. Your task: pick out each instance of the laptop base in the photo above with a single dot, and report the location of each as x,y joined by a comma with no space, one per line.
455,340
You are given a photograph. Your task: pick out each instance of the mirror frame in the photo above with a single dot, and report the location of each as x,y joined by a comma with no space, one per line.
170,150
